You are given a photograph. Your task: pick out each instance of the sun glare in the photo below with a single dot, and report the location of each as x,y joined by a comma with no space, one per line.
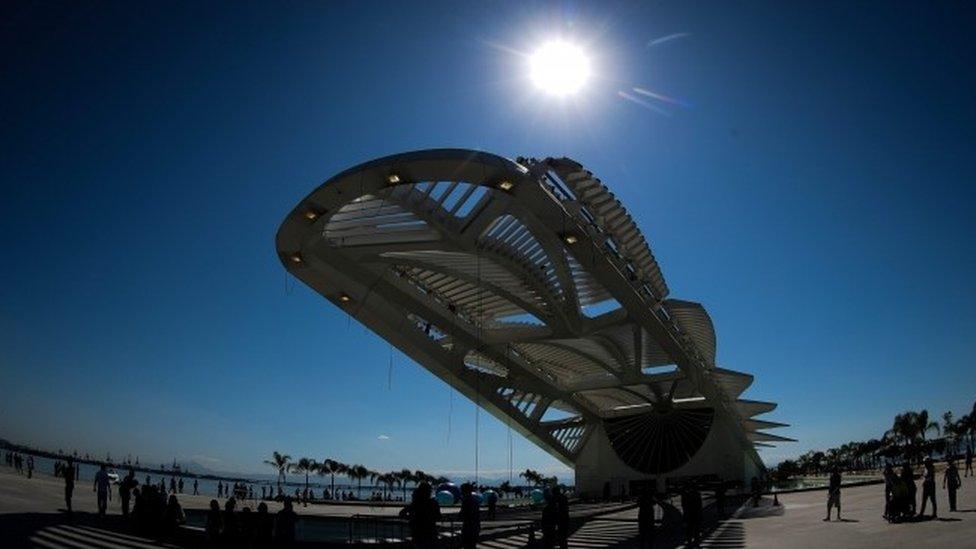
559,68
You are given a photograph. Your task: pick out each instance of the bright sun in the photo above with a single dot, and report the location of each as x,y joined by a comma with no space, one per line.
559,68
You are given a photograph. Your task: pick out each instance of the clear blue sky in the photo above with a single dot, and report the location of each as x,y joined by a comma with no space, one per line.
815,192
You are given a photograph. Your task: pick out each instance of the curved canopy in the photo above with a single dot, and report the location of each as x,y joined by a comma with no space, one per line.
525,285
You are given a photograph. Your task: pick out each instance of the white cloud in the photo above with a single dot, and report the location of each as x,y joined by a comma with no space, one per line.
382,437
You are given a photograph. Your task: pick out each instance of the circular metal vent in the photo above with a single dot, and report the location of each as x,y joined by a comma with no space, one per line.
660,440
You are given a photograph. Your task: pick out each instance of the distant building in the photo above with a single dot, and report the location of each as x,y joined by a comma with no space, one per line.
528,287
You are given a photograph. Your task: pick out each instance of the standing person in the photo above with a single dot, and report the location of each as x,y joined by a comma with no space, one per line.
645,518
422,514
220,489
470,518
548,521
492,497
179,485
889,490
263,527
69,482
951,482
30,466
231,533
196,487
969,460
928,487
214,522
172,485
908,479
720,498
285,521
691,507
125,491
562,516
833,493
101,488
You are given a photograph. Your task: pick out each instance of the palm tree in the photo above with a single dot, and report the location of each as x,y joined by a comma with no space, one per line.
388,480
305,465
405,476
281,462
924,425
332,468
532,477
358,473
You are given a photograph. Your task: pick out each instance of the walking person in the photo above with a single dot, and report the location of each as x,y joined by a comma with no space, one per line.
951,482
101,488
68,471
969,460
928,487
196,487
833,494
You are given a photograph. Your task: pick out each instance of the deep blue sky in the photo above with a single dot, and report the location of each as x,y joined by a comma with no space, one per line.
816,194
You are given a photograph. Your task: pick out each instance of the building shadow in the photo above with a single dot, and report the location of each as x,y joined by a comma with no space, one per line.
78,531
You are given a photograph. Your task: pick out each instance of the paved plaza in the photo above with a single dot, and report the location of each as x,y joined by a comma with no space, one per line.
30,516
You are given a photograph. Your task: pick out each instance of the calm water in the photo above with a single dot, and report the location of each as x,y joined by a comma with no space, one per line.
207,487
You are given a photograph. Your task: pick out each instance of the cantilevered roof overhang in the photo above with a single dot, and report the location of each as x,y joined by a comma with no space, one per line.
523,284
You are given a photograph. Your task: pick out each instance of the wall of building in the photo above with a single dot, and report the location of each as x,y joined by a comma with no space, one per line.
721,454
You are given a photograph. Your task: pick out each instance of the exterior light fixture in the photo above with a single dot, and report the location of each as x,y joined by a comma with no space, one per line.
506,185
296,258
393,178
311,215
570,239
345,298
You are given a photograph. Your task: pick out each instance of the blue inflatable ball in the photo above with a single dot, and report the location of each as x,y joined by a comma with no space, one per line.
452,488
491,496
445,498
537,495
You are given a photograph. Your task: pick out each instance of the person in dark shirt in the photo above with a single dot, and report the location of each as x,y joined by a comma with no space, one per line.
833,494
928,487
908,478
173,516
125,491
691,507
263,527
422,514
470,518
214,522
230,535
645,518
562,516
951,482
285,521
548,522
69,482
